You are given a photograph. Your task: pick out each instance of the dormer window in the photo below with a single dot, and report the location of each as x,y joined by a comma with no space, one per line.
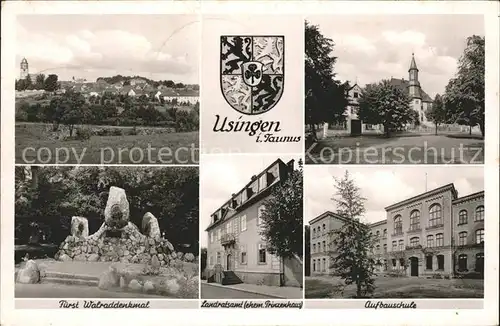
249,192
263,181
356,94
270,178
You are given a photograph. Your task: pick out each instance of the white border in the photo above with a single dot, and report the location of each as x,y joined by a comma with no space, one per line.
487,316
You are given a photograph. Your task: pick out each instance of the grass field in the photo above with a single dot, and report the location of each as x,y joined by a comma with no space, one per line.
403,287
33,147
399,149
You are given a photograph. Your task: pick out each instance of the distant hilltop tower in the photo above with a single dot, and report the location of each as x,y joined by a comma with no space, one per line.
24,69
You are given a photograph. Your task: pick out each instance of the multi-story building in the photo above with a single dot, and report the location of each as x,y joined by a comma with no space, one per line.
435,232
321,242
235,245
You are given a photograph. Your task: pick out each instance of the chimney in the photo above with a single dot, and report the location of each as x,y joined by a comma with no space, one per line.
254,177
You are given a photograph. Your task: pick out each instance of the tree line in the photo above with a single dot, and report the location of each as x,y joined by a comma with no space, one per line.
383,103
49,84
47,197
72,108
154,83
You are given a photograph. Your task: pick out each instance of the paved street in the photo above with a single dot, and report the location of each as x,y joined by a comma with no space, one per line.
71,291
216,292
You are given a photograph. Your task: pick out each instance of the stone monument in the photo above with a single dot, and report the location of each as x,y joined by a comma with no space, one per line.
118,239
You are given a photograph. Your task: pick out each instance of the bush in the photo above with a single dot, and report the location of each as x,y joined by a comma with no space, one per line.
437,276
133,131
83,134
116,132
470,275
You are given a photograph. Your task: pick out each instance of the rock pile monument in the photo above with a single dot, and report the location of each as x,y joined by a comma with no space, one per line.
118,239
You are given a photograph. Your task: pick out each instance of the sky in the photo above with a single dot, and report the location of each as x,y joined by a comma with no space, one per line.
385,185
90,46
223,175
375,47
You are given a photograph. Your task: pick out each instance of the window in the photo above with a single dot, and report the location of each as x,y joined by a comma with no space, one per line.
378,233
462,262
440,259
394,246
324,264
314,265
243,223
462,238
314,233
324,228
479,214
262,181
229,227
324,245
430,241
402,263
401,245
479,262
398,225
356,94
385,233
314,248
210,260
244,196
415,241
428,262
479,236
262,253
218,258
439,240
385,247
217,234
394,263
212,237
261,209
236,227
462,217
378,247
243,255
385,264
435,215
415,220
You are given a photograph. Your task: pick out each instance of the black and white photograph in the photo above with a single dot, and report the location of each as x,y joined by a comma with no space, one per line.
252,238
106,232
107,89
405,232
395,89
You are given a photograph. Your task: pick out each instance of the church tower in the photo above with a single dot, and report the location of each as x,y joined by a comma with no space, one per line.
414,84
24,69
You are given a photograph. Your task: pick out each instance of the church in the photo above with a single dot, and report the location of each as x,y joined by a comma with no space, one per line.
420,101
24,71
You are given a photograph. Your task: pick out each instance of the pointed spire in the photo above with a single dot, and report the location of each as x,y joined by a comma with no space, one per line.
413,64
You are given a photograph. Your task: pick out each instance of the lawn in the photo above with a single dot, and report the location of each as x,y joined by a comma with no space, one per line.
168,148
404,287
399,149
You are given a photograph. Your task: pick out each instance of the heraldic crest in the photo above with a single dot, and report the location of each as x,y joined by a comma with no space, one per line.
252,72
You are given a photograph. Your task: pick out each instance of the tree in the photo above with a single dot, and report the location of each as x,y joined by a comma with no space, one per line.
465,92
203,260
307,248
51,83
437,113
386,104
326,98
354,261
40,81
282,218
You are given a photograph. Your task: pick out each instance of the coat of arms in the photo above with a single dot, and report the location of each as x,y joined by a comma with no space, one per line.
252,72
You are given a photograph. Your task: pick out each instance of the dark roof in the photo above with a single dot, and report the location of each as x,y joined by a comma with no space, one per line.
403,85
473,196
413,64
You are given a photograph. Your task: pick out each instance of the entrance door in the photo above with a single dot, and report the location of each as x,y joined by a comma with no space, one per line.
414,266
480,263
229,262
355,127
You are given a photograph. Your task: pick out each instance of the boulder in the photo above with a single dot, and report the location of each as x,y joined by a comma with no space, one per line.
189,257
108,280
30,274
79,227
172,286
117,207
93,257
148,286
150,226
64,257
135,285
